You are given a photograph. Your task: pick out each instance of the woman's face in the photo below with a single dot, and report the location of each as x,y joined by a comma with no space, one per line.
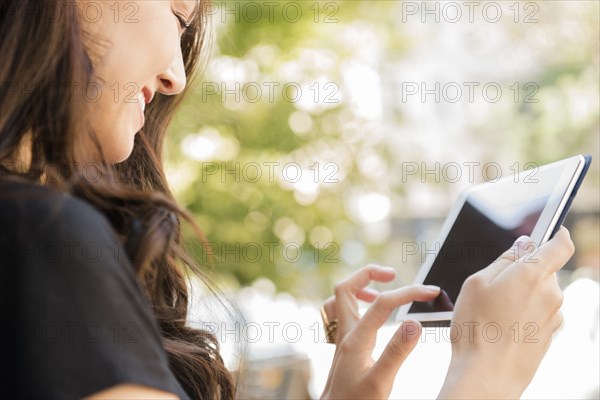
139,55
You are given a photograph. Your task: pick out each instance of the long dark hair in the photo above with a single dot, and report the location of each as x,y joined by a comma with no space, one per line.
41,56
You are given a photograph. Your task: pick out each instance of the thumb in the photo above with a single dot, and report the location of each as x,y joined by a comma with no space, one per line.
397,350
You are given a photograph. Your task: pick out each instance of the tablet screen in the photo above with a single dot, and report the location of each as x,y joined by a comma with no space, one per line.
492,218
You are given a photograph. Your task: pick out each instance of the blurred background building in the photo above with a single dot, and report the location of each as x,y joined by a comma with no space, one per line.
325,135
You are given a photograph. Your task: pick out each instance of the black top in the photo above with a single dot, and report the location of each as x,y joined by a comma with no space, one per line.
75,320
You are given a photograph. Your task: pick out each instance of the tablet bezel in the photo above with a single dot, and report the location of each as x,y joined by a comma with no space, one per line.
552,214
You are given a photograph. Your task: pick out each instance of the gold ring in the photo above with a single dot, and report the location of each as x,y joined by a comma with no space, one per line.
330,327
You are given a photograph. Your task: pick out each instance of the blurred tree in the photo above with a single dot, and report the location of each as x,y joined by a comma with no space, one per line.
290,150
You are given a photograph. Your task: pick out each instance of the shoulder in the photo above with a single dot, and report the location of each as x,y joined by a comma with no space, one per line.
81,321
46,232
29,211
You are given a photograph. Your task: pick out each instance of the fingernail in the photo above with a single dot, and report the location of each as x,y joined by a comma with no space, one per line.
390,269
520,241
432,288
526,246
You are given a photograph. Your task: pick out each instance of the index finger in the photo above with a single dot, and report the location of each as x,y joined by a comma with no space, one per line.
552,255
521,247
366,332
346,306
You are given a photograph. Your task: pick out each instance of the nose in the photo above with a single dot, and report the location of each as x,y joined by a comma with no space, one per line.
173,80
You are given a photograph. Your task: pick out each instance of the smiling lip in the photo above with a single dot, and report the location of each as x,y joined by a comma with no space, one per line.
141,107
148,95
144,97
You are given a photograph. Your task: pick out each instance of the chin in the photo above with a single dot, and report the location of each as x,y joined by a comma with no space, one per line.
122,157
122,153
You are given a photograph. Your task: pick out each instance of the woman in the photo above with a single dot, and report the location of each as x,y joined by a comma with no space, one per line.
92,260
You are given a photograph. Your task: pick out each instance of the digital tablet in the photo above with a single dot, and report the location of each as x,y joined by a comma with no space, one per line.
485,221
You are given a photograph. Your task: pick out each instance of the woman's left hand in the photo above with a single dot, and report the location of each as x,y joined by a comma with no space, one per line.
354,374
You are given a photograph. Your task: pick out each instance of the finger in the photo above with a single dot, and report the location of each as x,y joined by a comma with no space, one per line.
345,304
362,277
397,350
367,294
556,322
366,330
555,296
329,307
520,248
555,253
546,259
548,330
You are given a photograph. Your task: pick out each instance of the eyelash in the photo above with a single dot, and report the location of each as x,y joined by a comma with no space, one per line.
182,22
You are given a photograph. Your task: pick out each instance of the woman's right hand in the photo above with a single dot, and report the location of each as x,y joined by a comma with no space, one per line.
504,319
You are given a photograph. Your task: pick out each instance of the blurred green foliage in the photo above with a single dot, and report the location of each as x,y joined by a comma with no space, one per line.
230,143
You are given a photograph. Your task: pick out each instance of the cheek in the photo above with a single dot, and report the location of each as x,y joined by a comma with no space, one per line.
142,50
130,64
